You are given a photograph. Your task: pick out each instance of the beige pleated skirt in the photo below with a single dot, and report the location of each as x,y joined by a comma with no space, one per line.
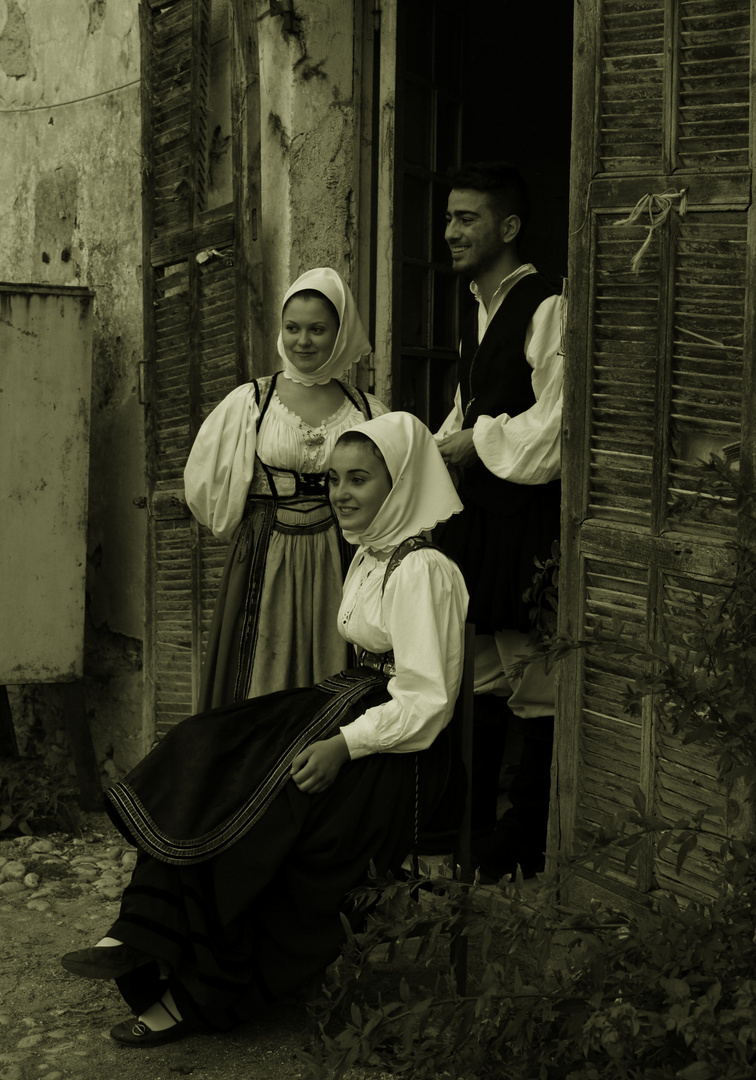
275,621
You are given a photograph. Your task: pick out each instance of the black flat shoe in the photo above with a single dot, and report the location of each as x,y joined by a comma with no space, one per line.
136,1033
105,961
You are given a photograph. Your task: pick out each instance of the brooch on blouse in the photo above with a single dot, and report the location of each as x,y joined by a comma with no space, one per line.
311,437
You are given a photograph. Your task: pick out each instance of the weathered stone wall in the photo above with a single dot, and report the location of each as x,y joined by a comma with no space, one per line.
70,214
310,147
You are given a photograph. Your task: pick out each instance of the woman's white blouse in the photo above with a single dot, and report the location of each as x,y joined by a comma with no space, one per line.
421,617
221,462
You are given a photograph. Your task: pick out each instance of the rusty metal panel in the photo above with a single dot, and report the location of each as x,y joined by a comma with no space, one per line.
45,369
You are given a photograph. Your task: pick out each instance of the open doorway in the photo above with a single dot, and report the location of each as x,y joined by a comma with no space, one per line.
517,106
492,81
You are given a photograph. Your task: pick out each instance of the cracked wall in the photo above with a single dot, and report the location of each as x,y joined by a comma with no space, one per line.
70,214
310,145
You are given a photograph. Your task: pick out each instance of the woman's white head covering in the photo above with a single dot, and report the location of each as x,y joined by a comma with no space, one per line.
351,342
422,493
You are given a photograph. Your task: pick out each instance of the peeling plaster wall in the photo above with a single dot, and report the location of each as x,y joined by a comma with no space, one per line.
70,214
310,146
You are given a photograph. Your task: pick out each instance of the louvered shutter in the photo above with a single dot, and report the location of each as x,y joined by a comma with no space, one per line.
658,371
196,345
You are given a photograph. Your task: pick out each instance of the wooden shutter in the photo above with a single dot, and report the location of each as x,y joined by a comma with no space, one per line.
197,344
658,374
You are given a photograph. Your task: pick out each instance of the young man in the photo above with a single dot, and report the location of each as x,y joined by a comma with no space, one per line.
502,439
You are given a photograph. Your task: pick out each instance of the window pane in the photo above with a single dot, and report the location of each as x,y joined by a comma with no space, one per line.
415,218
448,51
414,387
414,306
419,37
447,133
445,307
439,247
417,125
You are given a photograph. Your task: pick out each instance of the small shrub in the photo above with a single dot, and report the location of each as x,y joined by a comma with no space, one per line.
36,798
559,994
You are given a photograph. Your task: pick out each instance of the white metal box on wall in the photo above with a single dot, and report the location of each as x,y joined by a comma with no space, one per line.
45,373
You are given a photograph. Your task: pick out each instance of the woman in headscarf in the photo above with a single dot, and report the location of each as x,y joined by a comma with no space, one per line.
256,476
254,822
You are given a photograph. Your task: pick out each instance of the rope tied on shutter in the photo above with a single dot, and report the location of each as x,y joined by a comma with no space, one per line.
658,208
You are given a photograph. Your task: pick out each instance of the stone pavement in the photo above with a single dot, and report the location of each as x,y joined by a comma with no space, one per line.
59,893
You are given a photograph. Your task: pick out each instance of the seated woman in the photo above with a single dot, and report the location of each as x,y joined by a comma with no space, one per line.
254,821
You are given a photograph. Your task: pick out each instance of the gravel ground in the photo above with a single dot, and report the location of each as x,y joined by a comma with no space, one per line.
60,893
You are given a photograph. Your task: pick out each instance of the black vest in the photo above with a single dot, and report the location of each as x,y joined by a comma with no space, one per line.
495,378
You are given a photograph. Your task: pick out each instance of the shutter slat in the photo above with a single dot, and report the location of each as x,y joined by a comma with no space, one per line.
714,83
631,86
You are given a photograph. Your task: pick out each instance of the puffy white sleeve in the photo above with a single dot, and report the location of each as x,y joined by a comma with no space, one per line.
424,608
377,408
220,464
526,448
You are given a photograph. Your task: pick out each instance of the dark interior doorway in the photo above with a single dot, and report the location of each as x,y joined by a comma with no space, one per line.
517,106
487,80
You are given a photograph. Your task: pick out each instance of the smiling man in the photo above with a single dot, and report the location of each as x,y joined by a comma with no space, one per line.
502,440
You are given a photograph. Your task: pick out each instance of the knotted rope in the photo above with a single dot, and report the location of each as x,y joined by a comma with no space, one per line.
658,208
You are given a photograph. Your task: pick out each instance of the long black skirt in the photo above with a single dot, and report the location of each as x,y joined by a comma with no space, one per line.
241,878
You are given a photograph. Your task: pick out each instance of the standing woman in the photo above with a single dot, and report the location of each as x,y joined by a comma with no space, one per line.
256,476
283,802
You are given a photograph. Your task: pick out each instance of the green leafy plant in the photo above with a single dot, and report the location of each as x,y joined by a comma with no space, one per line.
559,994
542,596
664,992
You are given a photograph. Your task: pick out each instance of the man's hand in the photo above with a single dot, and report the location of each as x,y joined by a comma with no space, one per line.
316,768
458,449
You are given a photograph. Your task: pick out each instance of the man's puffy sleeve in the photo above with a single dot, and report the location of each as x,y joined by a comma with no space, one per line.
526,448
424,607
219,468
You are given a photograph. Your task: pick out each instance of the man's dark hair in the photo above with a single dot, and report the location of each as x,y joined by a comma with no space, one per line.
499,180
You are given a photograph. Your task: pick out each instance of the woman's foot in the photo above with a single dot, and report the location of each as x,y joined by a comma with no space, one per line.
159,1024
108,959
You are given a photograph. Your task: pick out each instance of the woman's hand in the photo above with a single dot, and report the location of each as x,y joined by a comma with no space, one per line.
316,768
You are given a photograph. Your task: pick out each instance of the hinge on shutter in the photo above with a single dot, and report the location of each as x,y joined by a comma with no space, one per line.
377,10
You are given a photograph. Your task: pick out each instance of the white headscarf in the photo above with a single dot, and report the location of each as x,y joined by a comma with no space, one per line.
422,493
351,342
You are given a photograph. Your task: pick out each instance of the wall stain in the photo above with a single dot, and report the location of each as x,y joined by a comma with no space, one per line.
96,15
15,46
18,329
